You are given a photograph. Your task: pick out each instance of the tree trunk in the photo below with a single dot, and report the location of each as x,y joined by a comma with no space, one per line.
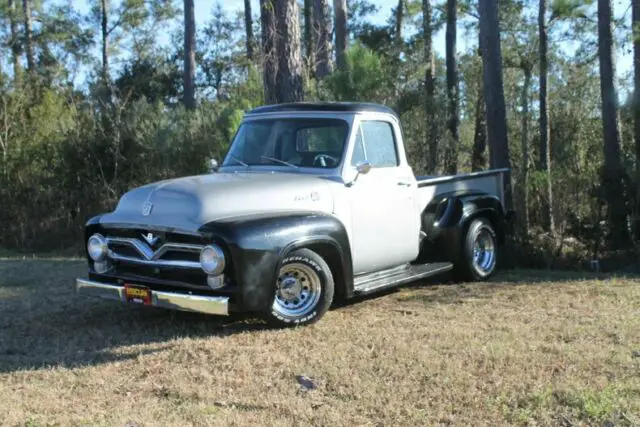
478,160
545,131
269,57
189,54
248,25
544,99
398,43
451,152
494,92
340,11
289,77
635,4
322,25
612,178
16,50
524,167
310,52
104,5
26,9
399,23
431,141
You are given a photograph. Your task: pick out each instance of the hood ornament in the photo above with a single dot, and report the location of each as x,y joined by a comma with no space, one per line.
146,208
150,238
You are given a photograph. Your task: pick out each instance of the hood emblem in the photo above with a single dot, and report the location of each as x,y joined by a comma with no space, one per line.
146,208
314,196
150,238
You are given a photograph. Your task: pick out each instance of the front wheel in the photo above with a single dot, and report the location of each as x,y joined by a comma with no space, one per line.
304,289
479,252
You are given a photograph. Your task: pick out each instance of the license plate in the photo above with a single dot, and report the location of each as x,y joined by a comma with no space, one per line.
137,294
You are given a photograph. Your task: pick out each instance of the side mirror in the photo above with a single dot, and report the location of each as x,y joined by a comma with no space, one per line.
213,165
362,168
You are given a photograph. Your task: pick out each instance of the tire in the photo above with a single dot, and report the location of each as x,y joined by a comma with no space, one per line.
477,266
304,290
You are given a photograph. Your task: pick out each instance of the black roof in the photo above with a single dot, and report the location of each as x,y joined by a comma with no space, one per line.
324,106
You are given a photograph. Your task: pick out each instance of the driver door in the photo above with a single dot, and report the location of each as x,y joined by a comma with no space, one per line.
384,218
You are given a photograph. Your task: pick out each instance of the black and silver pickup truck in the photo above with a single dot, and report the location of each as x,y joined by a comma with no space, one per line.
313,202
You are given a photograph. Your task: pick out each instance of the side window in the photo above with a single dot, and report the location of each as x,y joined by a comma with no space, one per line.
358,149
379,143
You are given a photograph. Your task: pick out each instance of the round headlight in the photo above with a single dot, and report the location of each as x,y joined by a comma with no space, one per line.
212,260
97,247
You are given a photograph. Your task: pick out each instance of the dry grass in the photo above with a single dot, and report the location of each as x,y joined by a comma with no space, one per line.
529,348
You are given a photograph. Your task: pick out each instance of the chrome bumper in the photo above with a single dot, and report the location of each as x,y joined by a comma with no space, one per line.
170,300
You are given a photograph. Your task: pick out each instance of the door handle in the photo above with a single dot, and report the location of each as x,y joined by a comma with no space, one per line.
404,183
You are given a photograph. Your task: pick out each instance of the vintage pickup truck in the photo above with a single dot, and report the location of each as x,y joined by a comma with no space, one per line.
314,202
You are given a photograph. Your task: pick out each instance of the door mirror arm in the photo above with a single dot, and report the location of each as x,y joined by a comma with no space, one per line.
362,168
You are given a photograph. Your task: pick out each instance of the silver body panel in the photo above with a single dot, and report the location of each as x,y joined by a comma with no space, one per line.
189,202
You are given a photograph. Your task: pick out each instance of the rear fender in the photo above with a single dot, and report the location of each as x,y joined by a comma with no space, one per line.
447,217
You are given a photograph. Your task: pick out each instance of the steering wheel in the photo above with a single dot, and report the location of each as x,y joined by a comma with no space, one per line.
322,158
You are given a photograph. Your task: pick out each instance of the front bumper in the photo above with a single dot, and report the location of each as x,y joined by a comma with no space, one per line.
170,300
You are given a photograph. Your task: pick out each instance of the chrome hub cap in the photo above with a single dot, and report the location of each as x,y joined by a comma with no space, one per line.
297,291
484,252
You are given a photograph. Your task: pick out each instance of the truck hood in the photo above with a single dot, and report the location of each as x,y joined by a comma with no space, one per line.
190,202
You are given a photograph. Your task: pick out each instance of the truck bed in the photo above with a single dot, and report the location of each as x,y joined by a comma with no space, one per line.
489,182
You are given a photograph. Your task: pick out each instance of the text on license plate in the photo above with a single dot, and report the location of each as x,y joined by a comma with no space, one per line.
137,294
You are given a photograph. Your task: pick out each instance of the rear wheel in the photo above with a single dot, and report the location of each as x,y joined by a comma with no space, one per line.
479,252
304,289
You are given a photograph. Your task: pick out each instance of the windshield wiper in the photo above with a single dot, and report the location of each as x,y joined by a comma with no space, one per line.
239,161
280,161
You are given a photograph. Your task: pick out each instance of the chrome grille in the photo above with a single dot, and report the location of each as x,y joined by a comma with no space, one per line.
127,249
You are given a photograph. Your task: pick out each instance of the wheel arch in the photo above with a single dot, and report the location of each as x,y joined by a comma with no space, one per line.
490,208
337,258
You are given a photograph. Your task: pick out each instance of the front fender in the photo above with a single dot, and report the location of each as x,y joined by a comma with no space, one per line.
256,245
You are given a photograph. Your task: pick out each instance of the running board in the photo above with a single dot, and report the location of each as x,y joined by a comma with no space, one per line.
398,276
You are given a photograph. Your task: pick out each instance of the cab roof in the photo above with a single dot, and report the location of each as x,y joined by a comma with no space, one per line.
351,107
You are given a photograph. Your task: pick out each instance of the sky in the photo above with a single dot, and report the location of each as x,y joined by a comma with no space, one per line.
621,7
203,9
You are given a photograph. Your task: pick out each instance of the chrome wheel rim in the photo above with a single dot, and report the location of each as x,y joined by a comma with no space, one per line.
484,252
297,291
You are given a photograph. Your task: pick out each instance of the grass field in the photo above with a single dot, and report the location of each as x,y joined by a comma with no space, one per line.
530,348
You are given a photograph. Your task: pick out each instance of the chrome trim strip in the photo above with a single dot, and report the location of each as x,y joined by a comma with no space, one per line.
159,263
169,300
149,257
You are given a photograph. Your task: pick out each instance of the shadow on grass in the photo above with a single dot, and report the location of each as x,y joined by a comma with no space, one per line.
445,289
44,324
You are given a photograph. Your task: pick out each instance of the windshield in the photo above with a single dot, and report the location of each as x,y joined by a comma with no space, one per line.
296,142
